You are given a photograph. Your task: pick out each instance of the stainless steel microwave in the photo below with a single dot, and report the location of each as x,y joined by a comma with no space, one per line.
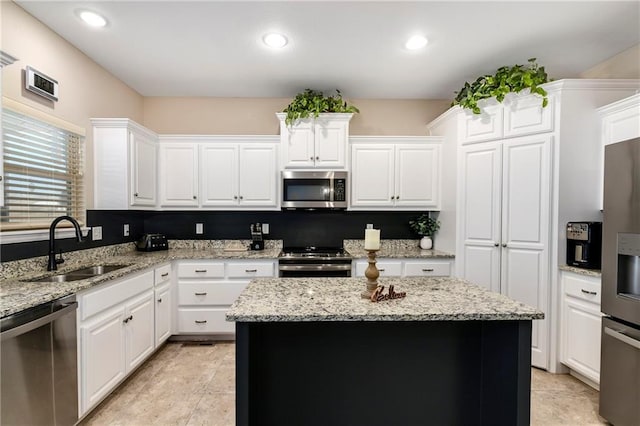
314,190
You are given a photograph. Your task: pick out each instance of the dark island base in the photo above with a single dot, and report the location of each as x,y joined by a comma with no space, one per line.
383,373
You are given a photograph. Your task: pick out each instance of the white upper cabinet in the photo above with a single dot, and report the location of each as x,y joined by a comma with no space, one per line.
315,143
620,120
219,172
401,175
179,177
125,164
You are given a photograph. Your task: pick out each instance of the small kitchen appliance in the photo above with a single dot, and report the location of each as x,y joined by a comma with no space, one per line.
152,242
584,244
314,190
257,240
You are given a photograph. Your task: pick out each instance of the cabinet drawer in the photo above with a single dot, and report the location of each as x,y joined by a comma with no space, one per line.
480,127
386,268
217,293
162,274
427,269
250,270
105,297
584,288
210,320
201,270
525,115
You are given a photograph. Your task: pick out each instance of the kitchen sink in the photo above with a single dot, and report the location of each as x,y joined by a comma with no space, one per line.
79,274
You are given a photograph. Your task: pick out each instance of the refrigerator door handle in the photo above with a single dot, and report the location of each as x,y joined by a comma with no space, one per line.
622,337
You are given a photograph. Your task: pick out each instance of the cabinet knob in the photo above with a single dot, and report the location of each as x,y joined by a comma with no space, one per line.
241,197
393,198
160,300
135,195
397,197
311,158
496,245
195,198
317,158
0,178
235,197
504,244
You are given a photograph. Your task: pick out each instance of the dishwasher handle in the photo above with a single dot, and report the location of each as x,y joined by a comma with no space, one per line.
39,322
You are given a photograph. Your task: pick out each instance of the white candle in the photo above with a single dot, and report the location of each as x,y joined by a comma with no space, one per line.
372,239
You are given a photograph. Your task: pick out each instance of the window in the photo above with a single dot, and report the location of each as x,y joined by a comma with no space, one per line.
43,172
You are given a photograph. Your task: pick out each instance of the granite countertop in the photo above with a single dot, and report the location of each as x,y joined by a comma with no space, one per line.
581,271
338,299
17,293
401,249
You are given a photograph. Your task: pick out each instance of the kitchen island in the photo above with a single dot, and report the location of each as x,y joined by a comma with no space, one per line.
313,352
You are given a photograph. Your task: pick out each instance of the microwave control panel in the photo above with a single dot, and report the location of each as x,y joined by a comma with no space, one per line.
339,193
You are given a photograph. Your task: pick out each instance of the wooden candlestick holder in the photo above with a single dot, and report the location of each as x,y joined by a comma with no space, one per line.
372,275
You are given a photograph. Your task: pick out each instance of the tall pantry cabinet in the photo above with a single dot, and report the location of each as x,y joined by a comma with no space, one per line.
523,172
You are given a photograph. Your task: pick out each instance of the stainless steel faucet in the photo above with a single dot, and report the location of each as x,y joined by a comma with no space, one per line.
53,262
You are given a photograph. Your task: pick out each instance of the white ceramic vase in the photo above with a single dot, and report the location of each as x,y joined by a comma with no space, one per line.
426,243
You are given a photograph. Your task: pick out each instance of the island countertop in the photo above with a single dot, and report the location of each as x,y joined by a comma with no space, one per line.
338,299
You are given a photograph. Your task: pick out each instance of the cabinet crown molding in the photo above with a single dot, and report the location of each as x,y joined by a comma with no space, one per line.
621,105
343,116
396,139
122,122
220,138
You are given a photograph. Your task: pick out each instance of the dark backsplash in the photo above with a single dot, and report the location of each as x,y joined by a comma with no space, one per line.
294,227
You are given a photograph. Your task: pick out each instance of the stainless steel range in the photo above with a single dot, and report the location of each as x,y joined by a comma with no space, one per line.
314,262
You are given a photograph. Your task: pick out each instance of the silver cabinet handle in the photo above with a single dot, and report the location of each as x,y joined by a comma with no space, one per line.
201,294
200,270
166,274
427,270
160,300
129,318
622,337
251,270
201,322
593,293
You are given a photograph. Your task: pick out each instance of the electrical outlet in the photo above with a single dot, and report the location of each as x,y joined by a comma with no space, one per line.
265,228
369,225
199,228
126,230
96,233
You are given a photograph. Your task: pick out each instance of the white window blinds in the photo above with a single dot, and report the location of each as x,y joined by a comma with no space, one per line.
43,173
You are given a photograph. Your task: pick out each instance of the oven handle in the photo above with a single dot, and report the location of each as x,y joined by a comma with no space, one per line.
622,337
317,267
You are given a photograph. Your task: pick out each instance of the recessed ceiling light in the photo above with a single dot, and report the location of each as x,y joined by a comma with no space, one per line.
275,40
416,42
92,18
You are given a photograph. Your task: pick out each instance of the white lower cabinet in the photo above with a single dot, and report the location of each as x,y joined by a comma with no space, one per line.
164,303
206,289
116,334
581,324
407,267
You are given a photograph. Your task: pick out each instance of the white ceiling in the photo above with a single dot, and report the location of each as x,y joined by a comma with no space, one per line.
214,48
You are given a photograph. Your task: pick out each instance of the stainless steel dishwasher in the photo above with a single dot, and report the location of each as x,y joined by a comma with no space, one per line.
38,365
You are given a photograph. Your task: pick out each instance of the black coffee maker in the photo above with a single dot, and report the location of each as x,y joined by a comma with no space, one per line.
584,244
257,241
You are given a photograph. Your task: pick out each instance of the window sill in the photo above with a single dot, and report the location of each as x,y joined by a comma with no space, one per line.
13,237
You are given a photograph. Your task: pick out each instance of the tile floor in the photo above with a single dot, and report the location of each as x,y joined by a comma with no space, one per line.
187,384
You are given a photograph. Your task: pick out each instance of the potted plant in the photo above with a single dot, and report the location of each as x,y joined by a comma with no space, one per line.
425,226
506,80
311,103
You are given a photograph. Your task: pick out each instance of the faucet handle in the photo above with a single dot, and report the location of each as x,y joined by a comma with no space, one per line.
59,260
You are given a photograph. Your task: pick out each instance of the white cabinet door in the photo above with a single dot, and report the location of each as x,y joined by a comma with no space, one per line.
480,127
330,143
582,323
526,186
524,115
479,199
163,313
258,175
179,177
143,170
372,175
102,356
298,145
417,175
219,175
139,328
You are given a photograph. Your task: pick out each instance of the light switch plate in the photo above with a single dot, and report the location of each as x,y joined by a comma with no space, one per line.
265,228
96,233
126,230
199,228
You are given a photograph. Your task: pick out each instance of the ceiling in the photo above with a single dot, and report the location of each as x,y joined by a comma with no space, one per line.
214,48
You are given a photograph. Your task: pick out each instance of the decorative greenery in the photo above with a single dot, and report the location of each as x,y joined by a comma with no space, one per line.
506,79
424,226
313,102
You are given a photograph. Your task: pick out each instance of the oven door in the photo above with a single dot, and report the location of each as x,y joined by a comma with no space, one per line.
311,269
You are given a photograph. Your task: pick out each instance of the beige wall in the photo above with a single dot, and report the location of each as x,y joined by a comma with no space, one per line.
86,89
256,116
625,64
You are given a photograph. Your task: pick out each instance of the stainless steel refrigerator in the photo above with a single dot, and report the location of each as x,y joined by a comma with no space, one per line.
620,357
